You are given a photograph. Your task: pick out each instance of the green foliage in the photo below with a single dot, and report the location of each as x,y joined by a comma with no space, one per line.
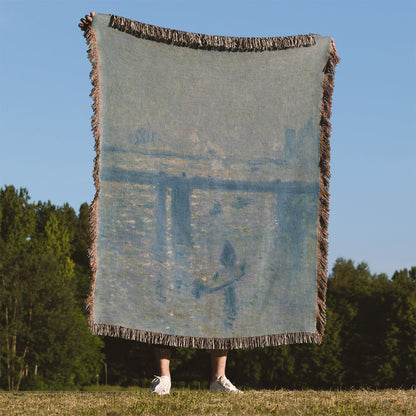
44,338
370,338
369,341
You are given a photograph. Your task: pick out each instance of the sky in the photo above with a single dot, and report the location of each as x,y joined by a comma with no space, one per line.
46,145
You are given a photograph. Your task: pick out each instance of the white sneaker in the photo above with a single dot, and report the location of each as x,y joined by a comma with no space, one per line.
161,385
223,385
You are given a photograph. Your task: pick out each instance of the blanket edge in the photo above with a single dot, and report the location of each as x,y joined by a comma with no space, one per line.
210,42
325,175
95,95
204,342
322,265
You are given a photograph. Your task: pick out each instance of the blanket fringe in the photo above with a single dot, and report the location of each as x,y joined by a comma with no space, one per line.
322,263
94,58
202,342
211,42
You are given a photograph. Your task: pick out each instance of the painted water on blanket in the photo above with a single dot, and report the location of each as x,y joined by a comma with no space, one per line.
207,251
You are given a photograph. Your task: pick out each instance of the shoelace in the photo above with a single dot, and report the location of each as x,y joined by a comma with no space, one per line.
156,379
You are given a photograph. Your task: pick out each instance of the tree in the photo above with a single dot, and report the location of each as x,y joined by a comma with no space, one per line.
81,244
401,337
361,300
17,223
44,330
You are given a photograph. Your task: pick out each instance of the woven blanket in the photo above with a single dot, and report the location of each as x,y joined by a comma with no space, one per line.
212,172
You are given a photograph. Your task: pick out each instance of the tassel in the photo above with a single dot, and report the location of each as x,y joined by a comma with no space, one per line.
202,342
322,264
210,42
95,94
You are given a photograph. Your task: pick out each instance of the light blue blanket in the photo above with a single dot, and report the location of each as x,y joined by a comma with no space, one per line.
209,222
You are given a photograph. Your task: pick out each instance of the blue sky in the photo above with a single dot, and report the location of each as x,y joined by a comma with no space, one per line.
46,145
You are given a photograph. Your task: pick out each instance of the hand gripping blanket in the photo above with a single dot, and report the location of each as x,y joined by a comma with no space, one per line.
209,223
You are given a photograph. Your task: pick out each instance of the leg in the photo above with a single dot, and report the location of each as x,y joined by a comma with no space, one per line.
219,381
163,361
162,383
218,363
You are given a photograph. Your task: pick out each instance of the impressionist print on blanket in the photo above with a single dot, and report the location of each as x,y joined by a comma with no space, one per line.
212,173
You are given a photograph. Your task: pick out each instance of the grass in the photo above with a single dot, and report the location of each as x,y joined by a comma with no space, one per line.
201,402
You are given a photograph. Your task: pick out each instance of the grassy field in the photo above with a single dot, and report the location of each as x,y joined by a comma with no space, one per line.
201,402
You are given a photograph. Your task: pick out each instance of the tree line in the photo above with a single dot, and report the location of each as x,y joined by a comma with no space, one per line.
45,342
